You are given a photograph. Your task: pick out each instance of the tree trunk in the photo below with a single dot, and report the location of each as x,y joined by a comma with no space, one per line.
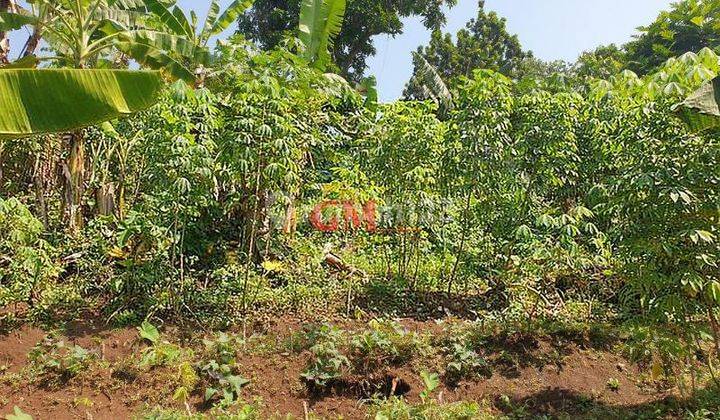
105,199
32,43
39,184
74,176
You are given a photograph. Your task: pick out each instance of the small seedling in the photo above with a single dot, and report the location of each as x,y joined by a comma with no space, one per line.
56,357
431,381
613,384
160,352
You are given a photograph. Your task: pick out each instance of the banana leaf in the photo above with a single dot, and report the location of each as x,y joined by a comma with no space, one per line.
701,110
36,101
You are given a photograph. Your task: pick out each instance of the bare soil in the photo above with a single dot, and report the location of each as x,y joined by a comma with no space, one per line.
571,380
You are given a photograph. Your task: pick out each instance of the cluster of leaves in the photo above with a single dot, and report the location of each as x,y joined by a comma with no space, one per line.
220,372
27,260
327,363
335,355
57,360
429,408
159,353
384,343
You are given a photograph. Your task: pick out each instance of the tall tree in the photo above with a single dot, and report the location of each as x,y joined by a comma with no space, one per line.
484,43
690,25
601,63
270,21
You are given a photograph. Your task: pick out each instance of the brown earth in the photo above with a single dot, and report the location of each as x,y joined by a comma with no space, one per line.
562,382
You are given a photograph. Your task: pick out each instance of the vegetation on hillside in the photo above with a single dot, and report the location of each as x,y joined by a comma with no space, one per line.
538,216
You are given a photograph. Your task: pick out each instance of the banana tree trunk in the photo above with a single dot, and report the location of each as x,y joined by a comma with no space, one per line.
74,177
105,199
32,43
39,184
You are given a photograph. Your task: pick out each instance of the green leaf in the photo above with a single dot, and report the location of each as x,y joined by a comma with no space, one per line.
713,292
430,380
149,332
701,110
150,56
698,20
173,20
333,24
13,21
705,236
28,62
18,414
210,393
320,22
169,43
311,15
435,87
230,15
212,15
237,382
181,394
369,88
57,100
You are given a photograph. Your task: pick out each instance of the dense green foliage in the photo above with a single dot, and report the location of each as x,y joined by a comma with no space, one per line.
483,44
269,22
540,199
689,25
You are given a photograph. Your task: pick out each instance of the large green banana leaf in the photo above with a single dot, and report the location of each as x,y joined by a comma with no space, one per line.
701,111
36,101
320,22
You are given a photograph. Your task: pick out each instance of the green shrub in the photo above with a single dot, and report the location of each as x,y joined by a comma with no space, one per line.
384,343
27,266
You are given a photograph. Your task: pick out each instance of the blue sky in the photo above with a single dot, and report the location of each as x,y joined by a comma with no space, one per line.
552,29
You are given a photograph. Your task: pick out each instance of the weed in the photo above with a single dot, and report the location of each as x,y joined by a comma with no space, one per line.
327,364
464,363
385,342
59,359
226,385
188,379
240,411
613,384
396,408
431,381
18,414
222,348
159,353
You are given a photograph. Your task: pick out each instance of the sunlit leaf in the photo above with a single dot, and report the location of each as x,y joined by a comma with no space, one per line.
57,100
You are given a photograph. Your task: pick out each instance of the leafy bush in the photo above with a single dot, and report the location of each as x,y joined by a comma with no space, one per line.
384,343
60,360
327,363
27,266
159,353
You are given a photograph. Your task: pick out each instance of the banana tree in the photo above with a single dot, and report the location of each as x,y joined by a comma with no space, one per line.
43,101
431,84
701,110
191,47
320,23
8,21
85,34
